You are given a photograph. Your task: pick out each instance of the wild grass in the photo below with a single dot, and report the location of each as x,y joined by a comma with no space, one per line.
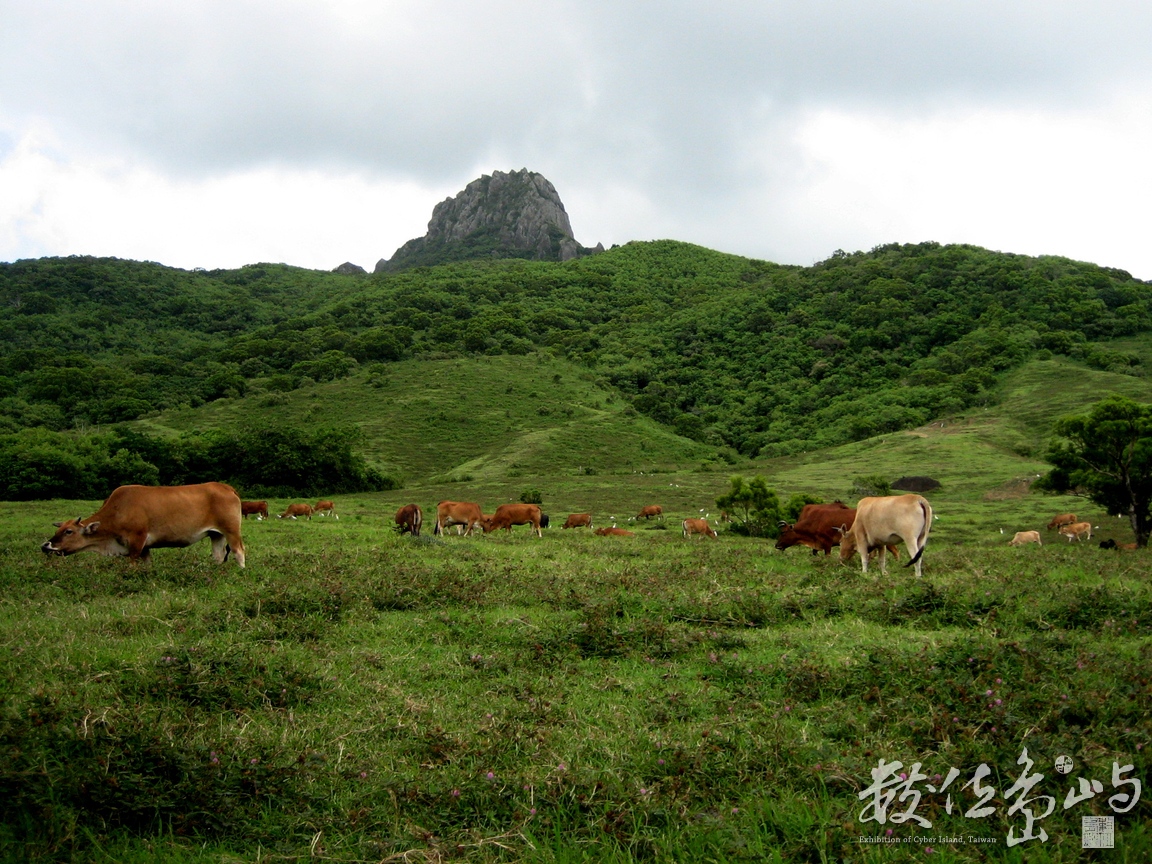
357,696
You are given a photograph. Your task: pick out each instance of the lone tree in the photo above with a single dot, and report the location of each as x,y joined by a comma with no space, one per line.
1108,457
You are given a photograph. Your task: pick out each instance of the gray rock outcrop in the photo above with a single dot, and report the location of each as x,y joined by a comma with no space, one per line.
503,215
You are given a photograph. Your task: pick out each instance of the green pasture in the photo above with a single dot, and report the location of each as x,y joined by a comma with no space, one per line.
356,696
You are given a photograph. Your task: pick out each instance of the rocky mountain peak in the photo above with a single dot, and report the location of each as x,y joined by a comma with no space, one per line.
517,214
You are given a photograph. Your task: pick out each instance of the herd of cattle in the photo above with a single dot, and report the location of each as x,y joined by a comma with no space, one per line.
136,519
1067,525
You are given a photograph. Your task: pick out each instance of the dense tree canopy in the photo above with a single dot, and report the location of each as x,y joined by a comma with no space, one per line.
729,351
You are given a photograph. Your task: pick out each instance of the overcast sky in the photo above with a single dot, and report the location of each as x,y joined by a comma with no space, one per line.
216,133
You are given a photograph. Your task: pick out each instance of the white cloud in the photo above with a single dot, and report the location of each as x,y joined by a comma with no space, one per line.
56,203
301,130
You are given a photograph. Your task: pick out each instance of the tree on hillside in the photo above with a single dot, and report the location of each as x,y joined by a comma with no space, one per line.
1108,456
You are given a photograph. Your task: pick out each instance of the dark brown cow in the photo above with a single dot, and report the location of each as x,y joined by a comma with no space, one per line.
1061,520
817,527
612,532
295,511
820,527
325,508
463,513
409,518
697,526
507,515
259,509
578,520
137,519
650,511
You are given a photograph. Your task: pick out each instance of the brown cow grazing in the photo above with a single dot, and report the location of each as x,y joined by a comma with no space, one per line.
650,511
409,518
463,513
612,532
294,511
1023,537
1077,531
578,520
325,508
137,519
1061,520
881,521
507,515
819,527
697,526
259,509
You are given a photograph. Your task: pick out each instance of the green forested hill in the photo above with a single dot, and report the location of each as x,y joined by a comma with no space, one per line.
726,351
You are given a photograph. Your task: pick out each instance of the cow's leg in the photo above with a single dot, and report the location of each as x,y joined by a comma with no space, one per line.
227,540
219,547
883,558
137,551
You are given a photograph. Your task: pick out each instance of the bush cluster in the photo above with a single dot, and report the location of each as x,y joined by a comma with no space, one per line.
259,462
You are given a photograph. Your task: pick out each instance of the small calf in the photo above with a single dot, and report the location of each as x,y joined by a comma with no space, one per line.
697,526
1077,531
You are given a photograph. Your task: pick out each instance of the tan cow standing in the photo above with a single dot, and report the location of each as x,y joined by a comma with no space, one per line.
463,513
882,521
1077,531
650,511
134,520
1023,537
578,520
1061,519
697,526
325,508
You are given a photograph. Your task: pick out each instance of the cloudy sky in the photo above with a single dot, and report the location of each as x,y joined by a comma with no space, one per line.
215,133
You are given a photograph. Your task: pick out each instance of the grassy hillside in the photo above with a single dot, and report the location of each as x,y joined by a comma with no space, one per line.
723,350
485,418
454,431
357,696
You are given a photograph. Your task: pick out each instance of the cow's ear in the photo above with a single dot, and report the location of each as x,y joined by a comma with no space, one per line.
782,524
90,527
57,524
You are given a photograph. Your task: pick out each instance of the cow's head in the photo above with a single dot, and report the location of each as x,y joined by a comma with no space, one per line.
70,537
847,542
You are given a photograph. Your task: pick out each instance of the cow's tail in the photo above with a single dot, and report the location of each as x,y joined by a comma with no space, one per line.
922,540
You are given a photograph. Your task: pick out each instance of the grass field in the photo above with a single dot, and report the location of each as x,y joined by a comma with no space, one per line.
356,696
